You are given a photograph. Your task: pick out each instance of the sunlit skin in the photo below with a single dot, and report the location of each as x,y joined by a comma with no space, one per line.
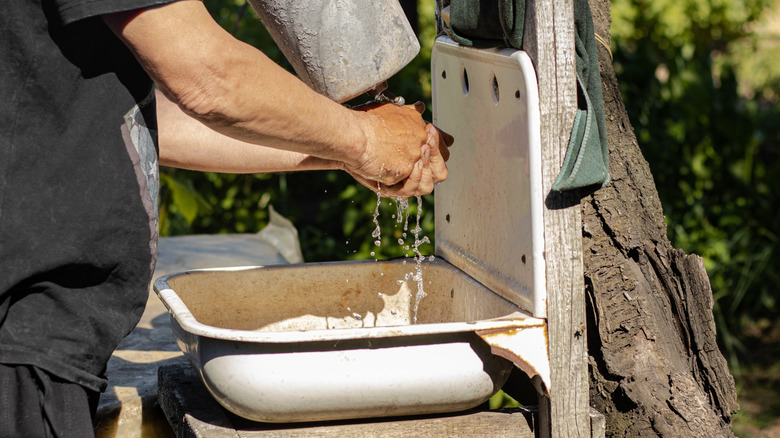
225,97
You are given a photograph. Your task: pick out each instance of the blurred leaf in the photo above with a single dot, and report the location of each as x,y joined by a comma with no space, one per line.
186,199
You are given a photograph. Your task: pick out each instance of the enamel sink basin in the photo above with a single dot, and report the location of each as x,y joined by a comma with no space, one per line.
327,341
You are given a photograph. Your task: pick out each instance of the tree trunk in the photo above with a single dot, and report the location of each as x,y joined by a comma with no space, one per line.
655,367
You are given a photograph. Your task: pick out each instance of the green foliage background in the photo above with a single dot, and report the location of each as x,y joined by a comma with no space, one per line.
701,87
709,129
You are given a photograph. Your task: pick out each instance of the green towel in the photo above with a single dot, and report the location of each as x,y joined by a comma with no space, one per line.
587,156
478,23
482,23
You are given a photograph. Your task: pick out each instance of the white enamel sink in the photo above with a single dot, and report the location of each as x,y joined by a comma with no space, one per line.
326,341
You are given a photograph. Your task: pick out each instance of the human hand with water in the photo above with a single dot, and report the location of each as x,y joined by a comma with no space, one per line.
405,156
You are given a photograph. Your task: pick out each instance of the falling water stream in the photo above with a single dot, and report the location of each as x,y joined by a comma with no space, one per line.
402,215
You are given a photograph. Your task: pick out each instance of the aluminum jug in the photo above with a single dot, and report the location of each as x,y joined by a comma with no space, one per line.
340,48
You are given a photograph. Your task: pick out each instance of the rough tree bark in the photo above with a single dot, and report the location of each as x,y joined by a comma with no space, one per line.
655,367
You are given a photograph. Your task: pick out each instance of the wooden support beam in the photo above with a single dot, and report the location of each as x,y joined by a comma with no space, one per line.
549,37
549,40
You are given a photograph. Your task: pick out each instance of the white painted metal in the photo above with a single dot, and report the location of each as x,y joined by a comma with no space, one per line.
489,212
335,341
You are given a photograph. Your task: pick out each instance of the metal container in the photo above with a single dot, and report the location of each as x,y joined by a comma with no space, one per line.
326,341
340,48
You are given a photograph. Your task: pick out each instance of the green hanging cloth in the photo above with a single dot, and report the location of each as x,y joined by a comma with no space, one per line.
486,23
480,23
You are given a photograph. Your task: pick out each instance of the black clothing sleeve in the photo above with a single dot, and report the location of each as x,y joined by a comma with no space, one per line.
78,187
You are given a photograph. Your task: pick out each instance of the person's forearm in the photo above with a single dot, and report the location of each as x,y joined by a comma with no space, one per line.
188,144
235,89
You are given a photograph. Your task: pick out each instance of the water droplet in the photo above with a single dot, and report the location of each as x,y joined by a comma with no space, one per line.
419,258
378,230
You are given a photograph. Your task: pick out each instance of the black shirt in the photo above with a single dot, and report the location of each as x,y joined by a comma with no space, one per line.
78,186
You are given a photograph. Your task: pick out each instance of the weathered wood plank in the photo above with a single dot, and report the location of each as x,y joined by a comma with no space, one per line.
549,40
192,412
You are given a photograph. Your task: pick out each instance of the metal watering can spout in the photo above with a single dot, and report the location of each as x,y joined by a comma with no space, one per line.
340,48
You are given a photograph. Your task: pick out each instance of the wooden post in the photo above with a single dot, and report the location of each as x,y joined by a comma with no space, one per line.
549,37
549,41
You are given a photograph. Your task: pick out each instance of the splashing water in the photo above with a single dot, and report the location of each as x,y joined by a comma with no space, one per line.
377,234
402,216
418,277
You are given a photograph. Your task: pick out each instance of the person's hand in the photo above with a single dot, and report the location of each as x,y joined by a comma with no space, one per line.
427,171
394,139
404,155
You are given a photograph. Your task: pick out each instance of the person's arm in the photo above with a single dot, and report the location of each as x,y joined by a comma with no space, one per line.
186,143
236,90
